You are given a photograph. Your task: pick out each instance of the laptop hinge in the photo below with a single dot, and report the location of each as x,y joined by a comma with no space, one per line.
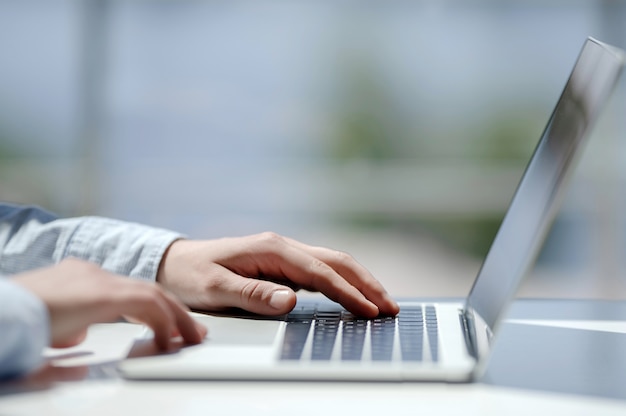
468,334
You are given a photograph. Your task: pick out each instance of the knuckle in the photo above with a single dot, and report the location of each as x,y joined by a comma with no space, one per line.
252,291
316,266
342,257
318,273
270,237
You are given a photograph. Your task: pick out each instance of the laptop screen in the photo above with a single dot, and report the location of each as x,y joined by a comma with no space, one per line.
534,204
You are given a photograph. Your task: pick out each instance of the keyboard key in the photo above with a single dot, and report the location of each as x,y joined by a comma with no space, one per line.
296,334
382,332
412,323
432,329
353,339
324,334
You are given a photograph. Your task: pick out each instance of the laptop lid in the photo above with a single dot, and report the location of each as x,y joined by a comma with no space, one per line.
535,202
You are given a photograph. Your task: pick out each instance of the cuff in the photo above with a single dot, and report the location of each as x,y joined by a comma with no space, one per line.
120,247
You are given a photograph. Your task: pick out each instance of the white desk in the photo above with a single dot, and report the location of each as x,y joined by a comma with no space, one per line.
102,393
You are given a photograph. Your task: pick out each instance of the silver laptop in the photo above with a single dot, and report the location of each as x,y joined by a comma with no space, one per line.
426,341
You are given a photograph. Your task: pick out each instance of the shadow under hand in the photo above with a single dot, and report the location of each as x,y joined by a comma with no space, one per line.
43,379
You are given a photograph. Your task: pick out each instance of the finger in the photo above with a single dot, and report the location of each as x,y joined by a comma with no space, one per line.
192,332
254,295
160,319
312,273
202,330
146,303
354,273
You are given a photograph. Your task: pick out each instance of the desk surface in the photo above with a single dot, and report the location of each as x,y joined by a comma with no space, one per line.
557,356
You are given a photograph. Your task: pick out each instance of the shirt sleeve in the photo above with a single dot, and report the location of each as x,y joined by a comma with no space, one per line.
24,325
31,237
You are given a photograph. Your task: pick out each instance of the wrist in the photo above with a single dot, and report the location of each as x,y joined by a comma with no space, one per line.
166,260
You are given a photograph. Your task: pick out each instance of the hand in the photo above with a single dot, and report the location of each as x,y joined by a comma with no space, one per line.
78,293
259,273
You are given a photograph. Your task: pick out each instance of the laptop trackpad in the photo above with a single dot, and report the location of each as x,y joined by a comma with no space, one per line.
239,331
226,334
230,341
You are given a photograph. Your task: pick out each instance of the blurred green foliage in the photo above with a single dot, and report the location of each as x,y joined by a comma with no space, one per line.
368,120
7,150
370,128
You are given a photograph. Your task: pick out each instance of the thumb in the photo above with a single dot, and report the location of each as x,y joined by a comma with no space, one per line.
260,296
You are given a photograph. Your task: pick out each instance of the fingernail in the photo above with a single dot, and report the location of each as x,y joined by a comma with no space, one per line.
280,299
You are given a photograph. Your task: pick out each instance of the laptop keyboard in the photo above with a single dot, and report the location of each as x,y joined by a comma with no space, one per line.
332,334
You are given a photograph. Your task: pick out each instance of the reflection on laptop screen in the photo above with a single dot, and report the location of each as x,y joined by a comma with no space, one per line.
534,204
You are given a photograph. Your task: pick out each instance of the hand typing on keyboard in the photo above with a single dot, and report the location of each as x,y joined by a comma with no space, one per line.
260,273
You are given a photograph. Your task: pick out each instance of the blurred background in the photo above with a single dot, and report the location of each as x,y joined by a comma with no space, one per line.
394,130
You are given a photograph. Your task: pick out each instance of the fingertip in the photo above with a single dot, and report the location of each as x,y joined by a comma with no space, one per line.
163,340
194,333
366,310
386,304
282,300
374,311
202,331
392,307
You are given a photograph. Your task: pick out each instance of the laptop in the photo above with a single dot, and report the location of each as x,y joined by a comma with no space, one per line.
431,340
